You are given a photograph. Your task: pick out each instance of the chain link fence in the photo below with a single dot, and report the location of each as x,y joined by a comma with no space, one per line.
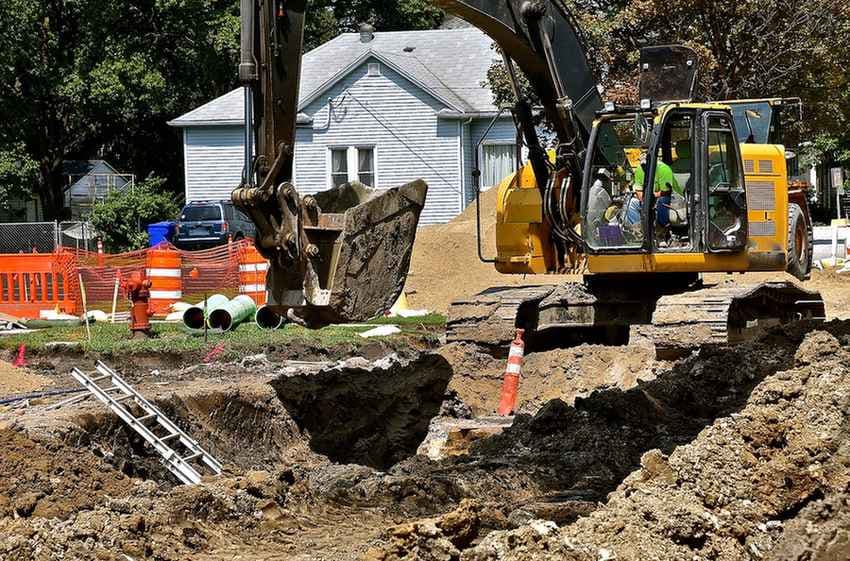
46,237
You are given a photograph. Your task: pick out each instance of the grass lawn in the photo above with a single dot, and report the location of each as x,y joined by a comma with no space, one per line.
109,339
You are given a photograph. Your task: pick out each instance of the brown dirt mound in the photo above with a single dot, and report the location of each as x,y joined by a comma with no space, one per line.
560,374
445,264
15,381
51,482
728,493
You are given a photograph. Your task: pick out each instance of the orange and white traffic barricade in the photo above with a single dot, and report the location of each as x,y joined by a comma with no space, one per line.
165,271
252,274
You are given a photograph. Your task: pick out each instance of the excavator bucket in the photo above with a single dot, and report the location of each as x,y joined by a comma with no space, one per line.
355,245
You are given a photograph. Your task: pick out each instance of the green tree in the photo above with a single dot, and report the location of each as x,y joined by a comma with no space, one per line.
87,78
17,173
328,18
122,218
747,48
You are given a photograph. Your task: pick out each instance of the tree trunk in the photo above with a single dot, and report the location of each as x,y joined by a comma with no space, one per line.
51,192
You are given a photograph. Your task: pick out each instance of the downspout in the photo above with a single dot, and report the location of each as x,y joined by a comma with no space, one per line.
463,164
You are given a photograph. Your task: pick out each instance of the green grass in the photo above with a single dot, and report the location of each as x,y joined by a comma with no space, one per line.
109,339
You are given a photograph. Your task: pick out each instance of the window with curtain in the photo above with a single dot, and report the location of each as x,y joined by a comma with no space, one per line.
498,161
339,166
353,163
366,166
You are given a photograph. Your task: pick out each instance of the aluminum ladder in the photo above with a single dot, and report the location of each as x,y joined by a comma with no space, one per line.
119,393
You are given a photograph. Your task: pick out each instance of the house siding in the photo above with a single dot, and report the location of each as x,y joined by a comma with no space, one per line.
410,141
214,161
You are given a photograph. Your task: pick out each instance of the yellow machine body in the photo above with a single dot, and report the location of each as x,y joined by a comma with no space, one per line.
524,245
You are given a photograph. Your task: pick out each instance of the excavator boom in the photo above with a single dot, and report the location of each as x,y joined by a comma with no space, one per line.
336,256
343,255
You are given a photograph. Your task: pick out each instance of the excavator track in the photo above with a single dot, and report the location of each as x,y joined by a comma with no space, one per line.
728,314
677,322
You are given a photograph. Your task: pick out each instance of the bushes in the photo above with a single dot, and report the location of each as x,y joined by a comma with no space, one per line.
123,216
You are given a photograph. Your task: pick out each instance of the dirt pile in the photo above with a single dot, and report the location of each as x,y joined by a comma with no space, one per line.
735,491
151,522
50,481
435,538
17,381
445,264
560,374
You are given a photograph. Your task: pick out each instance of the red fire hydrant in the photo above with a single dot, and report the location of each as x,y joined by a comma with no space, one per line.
138,290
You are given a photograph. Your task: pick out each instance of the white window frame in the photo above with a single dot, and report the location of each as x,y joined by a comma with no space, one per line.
353,162
481,158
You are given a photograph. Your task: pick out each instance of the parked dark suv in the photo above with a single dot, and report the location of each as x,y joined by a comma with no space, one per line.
207,224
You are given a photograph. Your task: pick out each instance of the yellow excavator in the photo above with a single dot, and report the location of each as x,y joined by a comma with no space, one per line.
642,199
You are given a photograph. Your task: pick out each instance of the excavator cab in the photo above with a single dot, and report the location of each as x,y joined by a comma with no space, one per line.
668,179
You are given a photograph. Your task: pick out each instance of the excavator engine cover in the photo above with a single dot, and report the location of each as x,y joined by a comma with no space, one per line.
350,259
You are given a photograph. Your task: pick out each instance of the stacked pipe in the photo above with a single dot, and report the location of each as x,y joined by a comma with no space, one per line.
268,319
227,316
194,317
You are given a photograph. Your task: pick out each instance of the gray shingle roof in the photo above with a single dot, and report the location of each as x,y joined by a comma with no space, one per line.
450,64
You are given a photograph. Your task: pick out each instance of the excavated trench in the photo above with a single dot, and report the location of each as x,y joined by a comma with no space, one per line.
374,414
337,443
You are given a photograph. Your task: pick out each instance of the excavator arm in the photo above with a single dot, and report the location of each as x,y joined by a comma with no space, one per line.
343,255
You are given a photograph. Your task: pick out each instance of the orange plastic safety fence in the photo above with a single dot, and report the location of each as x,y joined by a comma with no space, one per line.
32,282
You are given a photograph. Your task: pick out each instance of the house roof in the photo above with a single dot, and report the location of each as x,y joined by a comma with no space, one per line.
449,64
79,168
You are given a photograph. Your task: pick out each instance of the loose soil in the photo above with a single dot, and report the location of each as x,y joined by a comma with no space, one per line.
725,453
445,264
15,381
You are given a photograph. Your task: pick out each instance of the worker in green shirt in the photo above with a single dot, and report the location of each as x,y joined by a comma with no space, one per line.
663,176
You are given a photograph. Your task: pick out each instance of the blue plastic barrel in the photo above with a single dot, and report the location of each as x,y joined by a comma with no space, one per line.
160,232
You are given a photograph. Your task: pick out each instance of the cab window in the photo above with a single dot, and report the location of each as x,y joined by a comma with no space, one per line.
673,183
727,203
614,215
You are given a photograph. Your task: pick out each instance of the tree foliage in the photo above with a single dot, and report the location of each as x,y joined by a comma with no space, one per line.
81,79
122,218
328,18
747,48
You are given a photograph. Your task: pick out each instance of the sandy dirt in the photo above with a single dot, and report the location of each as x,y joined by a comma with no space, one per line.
445,264
17,381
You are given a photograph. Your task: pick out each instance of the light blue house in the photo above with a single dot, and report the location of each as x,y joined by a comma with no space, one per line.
384,108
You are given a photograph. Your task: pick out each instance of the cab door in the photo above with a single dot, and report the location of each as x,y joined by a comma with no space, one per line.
724,192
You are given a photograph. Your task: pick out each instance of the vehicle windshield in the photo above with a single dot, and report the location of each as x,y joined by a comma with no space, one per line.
759,115
209,213
614,205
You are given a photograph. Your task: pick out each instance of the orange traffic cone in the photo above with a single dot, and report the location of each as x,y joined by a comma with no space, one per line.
510,385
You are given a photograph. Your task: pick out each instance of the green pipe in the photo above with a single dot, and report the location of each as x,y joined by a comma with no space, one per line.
193,318
228,316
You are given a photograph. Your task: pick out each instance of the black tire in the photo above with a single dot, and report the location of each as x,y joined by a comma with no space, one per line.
799,244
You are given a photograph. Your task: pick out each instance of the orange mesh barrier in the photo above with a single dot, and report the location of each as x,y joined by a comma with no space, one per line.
30,283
